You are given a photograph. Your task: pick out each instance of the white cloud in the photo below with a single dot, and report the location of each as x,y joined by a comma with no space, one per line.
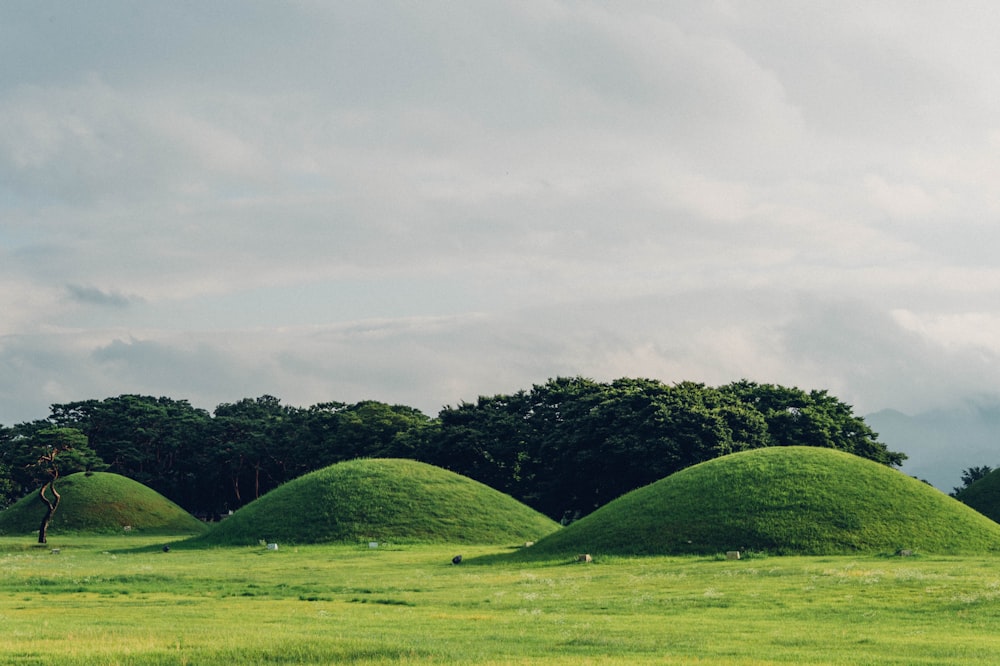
955,331
904,200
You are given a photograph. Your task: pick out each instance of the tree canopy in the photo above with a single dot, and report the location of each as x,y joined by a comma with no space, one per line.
971,475
570,445
564,447
43,456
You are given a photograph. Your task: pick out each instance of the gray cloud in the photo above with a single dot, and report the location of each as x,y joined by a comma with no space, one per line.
95,296
843,345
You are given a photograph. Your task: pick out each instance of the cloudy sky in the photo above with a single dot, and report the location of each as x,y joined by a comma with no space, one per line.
422,202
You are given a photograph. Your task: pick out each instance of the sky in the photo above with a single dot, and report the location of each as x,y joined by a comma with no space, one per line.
422,203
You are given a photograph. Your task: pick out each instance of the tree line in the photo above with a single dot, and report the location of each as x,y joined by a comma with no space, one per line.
564,447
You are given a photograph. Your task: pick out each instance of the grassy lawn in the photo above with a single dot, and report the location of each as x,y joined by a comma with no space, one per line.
108,600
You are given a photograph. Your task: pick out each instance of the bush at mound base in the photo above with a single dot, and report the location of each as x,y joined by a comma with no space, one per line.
101,502
382,500
783,500
983,495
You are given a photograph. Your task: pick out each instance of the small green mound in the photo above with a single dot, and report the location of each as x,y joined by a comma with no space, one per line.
781,500
381,500
101,502
983,495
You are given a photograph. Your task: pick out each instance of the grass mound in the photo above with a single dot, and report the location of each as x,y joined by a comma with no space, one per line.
381,500
983,495
783,500
101,502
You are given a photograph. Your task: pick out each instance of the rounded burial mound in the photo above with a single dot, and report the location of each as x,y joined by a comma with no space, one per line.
782,500
983,495
101,502
382,500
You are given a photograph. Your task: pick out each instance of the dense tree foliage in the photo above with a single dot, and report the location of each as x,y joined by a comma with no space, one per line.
22,449
211,464
564,447
570,445
970,476
42,456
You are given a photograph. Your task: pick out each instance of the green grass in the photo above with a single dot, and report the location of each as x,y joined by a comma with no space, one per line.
400,501
99,601
788,500
93,598
101,502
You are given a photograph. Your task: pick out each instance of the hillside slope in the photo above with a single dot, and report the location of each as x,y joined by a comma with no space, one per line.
101,502
802,500
382,500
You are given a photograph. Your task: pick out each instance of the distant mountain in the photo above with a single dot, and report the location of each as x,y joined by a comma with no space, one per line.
942,443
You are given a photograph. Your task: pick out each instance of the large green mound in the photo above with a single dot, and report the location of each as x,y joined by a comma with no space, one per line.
101,502
983,495
382,500
783,500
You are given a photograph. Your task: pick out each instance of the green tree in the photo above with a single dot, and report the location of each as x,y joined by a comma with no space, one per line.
8,488
211,463
612,438
52,452
572,444
814,418
373,429
17,458
487,441
159,442
254,441
970,476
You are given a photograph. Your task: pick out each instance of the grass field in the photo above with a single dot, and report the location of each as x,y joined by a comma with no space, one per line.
122,600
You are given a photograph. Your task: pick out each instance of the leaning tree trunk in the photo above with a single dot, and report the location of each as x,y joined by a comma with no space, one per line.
51,506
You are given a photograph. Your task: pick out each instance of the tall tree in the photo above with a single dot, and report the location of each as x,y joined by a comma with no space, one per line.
17,458
970,476
814,418
252,439
160,442
487,441
611,438
56,451
8,487
572,444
